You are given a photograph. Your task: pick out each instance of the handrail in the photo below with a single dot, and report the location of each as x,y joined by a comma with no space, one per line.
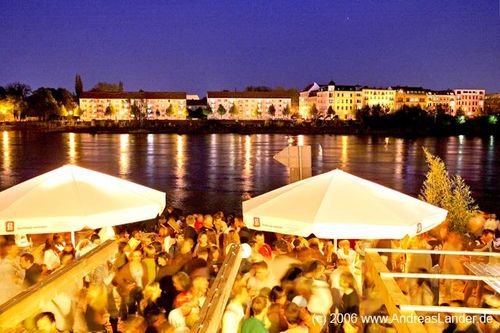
31,300
213,309
451,253
392,295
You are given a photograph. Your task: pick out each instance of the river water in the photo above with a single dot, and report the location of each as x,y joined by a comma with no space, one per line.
207,173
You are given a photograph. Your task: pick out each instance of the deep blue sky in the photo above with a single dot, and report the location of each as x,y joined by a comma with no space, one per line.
196,46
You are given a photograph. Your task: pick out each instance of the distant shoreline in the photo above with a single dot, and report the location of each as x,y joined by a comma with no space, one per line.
475,127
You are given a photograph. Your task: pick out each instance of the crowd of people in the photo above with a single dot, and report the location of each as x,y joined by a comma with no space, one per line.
159,278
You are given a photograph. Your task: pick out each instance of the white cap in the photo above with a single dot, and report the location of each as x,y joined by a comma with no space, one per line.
300,301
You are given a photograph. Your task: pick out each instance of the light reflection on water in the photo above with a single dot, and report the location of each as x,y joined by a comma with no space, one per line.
210,172
72,148
124,154
6,158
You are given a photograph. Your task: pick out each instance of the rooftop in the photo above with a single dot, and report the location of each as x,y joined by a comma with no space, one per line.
134,95
249,94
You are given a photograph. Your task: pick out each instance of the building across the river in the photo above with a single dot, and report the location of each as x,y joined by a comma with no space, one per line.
131,105
249,104
344,100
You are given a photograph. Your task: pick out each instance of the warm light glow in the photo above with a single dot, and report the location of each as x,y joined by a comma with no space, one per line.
343,156
72,148
460,153
6,152
399,162
300,140
246,251
124,153
247,168
180,156
232,151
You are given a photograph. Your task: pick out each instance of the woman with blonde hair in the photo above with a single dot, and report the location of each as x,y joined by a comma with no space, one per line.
150,294
97,305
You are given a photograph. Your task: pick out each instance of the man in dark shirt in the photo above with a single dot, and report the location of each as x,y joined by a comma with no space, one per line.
33,270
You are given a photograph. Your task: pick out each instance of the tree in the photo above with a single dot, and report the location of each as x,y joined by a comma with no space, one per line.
7,108
462,206
451,194
313,111
459,112
257,88
207,111
17,94
286,111
42,104
18,90
120,86
221,110
169,111
197,114
184,113
233,110
378,111
110,110
271,110
437,186
136,111
107,87
255,112
78,85
65,100
330,112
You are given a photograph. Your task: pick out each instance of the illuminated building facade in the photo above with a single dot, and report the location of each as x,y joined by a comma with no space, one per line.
347,99
325,97
307,98
378,96
469,101
249,105
152,105
410,96
444,100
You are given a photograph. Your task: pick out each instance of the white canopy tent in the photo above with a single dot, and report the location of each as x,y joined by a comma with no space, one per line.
338,205
71,198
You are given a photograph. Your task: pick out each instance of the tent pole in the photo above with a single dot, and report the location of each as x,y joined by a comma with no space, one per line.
73,238
335,245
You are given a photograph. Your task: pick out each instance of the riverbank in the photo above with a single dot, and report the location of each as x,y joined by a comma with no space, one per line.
475,127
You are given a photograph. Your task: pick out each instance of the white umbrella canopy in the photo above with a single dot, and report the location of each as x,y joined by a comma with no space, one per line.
338,205
71,198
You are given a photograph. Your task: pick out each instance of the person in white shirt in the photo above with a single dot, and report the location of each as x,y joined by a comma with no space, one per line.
335,281
260,277
51,256
345,252
235,310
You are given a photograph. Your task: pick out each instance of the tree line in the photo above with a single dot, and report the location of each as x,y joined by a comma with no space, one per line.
18,101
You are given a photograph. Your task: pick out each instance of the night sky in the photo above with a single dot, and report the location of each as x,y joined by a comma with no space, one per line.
196,46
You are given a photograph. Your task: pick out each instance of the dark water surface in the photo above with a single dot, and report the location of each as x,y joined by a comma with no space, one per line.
206,173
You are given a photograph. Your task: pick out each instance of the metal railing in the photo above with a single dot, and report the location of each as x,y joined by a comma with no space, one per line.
217,297
396,302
